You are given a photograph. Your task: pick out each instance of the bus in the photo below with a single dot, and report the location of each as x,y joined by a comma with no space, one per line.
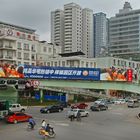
4,108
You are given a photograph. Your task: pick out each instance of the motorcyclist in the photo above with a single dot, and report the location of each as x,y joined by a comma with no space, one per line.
49,129
43,124
32,122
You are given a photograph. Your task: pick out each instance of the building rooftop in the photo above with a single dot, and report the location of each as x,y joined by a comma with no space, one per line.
71,54
21,28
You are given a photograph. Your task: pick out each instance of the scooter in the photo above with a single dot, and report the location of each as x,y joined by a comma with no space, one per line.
29,127
47,134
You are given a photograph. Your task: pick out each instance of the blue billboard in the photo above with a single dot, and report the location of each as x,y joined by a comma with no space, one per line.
45,72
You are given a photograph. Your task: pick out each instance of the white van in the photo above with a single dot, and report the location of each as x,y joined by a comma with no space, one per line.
133,103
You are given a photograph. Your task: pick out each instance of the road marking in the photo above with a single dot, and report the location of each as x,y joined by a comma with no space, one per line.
62,124
116,113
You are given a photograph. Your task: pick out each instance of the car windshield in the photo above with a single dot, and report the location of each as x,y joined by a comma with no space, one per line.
48,107
130,101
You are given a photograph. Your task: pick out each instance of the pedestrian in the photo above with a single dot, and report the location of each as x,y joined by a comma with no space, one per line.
78,116
71,116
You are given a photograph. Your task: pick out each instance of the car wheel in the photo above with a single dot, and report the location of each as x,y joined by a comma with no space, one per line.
59,110
48,111
15,121
22,110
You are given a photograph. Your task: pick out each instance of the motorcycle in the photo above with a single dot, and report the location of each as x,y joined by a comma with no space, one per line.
47,134
29,127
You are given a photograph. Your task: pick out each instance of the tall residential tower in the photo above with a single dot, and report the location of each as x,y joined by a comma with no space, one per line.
57,27
100,34
77,29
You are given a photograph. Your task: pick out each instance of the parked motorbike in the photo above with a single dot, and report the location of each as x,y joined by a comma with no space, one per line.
47,134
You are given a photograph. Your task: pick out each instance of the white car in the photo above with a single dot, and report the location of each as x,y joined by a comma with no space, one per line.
17,107
100,101
120,101
83,112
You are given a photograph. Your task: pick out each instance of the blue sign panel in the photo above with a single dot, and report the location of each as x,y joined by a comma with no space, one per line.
42,72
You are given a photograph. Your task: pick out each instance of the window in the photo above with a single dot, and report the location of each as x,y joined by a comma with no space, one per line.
45,49
33,57
19,45
114,63
63,63
26,56
48,63
33,47
55,64
26,46
19,54
50,50
86,64
23,36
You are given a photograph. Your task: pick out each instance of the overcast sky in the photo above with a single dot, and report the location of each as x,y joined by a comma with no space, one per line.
36,13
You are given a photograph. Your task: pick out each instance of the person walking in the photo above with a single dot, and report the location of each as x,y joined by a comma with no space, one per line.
78,116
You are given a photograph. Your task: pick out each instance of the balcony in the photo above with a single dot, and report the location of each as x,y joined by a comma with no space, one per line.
26,59
26,49
9,58
2,47
33,50
19,48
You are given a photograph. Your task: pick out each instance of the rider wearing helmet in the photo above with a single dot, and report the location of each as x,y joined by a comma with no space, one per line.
49,128
32,122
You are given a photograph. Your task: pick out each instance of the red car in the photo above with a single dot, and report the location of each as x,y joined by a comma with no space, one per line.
14,117
80,106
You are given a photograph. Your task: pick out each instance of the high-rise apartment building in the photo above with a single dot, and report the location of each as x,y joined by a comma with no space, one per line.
87,32
125,33
57,27
100,34
72,28
77,29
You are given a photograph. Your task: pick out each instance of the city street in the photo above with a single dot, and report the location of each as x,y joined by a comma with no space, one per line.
117,123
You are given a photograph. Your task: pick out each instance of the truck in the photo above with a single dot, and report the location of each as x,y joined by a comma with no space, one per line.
4,108
17,108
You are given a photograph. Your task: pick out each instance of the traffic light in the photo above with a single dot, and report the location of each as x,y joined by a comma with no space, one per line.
13,82
2,81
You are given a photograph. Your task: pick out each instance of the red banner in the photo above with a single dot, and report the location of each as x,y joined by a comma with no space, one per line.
129,74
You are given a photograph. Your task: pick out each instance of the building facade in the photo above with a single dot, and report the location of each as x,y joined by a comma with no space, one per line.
125,33
57,27
101,62
78,29
72,28
21,45
87,30
100,34
17,44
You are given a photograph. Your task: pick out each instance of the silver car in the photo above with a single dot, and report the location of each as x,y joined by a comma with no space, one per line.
133,103
83,112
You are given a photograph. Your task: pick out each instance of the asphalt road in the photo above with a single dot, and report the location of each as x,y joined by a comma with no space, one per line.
117,123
